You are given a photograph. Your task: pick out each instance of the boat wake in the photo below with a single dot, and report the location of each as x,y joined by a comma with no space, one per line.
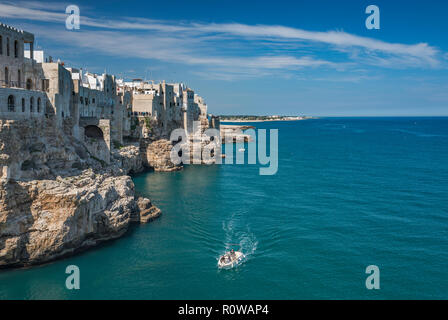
244,239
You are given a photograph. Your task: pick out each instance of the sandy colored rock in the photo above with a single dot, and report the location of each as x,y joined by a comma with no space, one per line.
157,155
56,199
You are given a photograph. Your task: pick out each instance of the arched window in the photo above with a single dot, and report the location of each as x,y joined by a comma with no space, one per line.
16,49
38,105
7,47
31,104
1,45
6,75
29,84
23,104
11,104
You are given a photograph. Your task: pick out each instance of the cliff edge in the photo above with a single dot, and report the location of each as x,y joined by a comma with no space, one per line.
56,198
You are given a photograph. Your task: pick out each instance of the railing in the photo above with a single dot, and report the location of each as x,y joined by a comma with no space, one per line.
138,114
15,84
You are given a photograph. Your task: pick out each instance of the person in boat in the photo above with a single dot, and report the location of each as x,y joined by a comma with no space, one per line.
232,254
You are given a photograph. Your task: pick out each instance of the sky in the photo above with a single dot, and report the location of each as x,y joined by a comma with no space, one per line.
301,57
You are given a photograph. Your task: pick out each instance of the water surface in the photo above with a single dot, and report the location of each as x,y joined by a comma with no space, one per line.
348,193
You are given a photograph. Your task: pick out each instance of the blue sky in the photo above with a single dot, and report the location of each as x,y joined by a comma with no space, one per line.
261,57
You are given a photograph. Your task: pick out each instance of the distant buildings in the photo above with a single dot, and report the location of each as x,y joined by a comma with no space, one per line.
171,105
99,110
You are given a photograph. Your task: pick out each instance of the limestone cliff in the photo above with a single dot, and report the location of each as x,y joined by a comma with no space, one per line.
156,155
56,198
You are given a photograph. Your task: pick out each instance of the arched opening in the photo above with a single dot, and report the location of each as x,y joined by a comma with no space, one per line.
93,132
16,49
31,104
6,75
29,84
7,47
23,104
11,104
38,105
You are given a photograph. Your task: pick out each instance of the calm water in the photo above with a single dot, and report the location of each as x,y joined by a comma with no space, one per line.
349,193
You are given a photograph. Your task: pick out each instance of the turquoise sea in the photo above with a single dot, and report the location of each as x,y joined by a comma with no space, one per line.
349,192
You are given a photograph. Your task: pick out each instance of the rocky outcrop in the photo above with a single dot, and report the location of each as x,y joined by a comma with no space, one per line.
57,199
129,159
146,211
235,133
41,220
156,155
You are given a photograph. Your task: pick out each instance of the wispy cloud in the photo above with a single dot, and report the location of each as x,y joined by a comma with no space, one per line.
242,47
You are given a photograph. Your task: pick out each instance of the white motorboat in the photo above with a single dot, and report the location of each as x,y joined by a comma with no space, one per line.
241,150
230,259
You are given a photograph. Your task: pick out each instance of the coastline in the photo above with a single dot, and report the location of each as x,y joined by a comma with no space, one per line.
266,120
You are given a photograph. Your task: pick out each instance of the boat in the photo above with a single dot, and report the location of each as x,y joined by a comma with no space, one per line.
241,150
230,259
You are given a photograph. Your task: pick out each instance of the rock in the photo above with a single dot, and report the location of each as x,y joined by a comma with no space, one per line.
45,219
129,159
156,155
57,199
147,212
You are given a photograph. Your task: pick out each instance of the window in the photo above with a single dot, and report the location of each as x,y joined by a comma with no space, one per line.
93,100
29,84
87,101
11,105
6,75
7,47
38,105
31,104
45,85
19,79
81,100
16,49
23,104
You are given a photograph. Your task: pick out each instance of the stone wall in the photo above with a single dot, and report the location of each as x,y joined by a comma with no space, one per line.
27,103
59,91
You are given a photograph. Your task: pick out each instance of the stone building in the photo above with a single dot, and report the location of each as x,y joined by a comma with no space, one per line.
59,88
170,105
21,94
95,99
98,110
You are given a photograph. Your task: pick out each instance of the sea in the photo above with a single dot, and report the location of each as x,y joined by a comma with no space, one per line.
349,193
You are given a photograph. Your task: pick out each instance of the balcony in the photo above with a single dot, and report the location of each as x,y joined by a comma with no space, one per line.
18,85
11,84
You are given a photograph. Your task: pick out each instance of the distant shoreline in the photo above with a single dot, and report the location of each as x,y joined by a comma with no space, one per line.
267,120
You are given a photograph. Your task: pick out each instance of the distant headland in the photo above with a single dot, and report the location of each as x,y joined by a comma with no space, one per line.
252,118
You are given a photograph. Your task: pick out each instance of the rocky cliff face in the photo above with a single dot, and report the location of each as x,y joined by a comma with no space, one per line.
156,155
129,159
56,199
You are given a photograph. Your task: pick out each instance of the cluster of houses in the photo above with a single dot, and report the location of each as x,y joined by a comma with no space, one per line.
99,110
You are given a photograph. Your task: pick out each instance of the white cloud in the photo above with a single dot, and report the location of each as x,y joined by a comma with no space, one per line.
253,49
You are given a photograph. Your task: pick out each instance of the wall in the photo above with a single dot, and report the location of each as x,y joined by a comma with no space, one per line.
98,147
59,91
18,95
